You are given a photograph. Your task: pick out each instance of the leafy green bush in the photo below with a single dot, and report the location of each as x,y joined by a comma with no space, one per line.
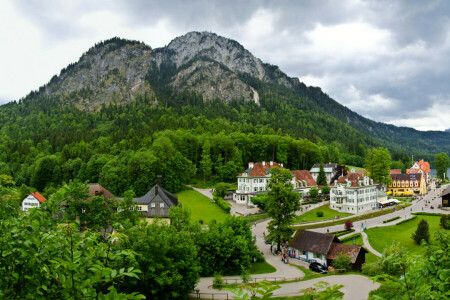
386,291
260,200
221,189
349,238
445,221
372,269
223,204
319,213
218,280
342,261
422,232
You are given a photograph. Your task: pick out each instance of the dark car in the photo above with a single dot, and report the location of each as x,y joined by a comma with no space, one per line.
316,267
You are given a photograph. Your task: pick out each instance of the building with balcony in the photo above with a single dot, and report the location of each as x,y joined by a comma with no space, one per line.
353,193
253,181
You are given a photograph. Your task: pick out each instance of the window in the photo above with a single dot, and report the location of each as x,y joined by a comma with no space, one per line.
261,180
153,205
255,189
161,205
139,208
255,180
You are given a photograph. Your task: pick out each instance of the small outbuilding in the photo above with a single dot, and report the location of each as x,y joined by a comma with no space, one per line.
311,246
445,197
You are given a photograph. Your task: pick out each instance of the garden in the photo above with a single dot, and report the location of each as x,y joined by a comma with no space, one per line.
201,207
315,215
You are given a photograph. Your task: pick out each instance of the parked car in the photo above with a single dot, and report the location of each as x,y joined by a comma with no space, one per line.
316,267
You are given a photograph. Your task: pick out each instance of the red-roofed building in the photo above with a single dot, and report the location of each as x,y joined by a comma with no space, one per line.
32,200
353,193
253,181
423,167
395,171
303,181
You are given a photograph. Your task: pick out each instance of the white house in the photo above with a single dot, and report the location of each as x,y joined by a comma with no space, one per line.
329,169
353,193
32,200
253,181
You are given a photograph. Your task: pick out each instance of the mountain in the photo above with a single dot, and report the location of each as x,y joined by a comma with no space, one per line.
117,71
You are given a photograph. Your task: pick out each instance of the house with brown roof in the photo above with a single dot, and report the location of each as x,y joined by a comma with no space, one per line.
253,181
311,246
395,171
96,189
32,200
408,184
353,193
303,181
422,167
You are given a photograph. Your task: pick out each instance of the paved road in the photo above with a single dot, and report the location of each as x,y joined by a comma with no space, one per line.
355,286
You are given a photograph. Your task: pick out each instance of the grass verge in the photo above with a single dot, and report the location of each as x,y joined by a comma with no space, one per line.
201,207
328,214
352,219
261,268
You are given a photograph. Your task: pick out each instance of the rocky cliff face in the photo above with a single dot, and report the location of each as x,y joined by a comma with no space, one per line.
115,71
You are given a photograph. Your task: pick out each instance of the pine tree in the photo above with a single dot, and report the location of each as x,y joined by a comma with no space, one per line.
321,178
205,163
422,232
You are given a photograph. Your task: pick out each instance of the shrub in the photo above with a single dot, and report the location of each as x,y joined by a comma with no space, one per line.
313,192
387,291
348,225
349,238
221,189
319,214
245,276
260,200
223,204
218,280
342,261
325,190
422,232
372,269
407,220
390,220
445,221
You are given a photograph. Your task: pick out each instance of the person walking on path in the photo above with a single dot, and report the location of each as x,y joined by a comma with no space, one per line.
328,230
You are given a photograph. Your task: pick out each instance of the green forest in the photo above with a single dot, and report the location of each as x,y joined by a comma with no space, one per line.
45,140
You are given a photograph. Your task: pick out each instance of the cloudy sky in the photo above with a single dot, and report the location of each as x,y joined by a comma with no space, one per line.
387,60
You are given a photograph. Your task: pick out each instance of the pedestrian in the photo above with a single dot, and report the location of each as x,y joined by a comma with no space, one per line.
328,230
422,208
264,234
255,223
271,248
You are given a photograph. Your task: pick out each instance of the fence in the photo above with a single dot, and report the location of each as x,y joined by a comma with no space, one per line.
228,281
209,296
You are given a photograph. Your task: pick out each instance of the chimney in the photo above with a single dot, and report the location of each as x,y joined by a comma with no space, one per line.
263,163
158,177
271,163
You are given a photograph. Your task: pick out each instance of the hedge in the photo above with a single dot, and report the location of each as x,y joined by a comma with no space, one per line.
223,204
390,220
352,219
407,220
342,232
349,238
427,214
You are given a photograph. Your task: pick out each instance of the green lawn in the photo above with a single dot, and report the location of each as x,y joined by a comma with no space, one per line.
261,268
201,207
382,237
349,168
328,213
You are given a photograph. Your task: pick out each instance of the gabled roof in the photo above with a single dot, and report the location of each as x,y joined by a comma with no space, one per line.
352,251
313,241
96,189
330,165
407,177
351,177
304,175
261,170
157,193
424,165
38,197
395,171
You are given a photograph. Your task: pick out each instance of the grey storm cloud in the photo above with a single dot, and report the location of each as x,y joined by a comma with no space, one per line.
387,60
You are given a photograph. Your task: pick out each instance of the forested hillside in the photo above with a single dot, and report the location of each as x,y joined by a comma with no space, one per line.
202,106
